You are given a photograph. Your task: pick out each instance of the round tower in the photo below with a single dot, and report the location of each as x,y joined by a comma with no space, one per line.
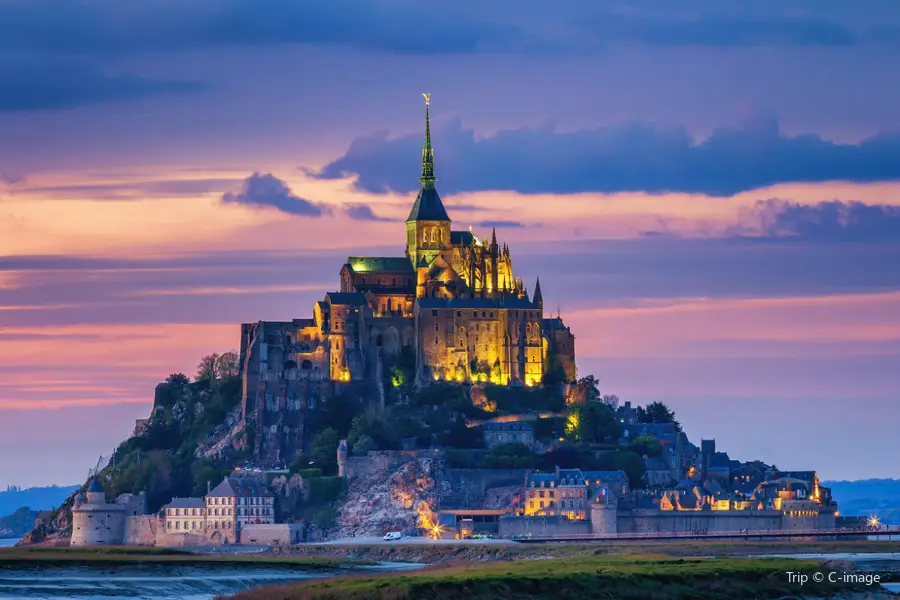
95,493
342,458
96,522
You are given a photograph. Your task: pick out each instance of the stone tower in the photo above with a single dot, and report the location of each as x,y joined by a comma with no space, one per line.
428,225
342,458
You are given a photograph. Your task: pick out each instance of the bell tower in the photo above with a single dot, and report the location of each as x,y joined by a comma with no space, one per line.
428,226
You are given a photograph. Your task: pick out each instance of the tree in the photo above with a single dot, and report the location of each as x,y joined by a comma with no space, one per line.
611,400
324,451
339,412
595,423
645,445
634,467
207,370
227,364
178,379
218,366
657,412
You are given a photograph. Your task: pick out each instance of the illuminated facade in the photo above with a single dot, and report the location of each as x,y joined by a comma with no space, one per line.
452,301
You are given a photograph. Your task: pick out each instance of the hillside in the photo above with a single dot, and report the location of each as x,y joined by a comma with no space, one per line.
868,497
35,498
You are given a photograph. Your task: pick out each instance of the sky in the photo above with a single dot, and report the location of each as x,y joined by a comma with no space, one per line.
710,193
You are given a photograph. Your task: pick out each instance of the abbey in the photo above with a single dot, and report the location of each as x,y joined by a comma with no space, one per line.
451,303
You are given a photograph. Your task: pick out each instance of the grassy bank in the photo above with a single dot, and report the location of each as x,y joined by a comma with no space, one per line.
634,577
444,553
129,555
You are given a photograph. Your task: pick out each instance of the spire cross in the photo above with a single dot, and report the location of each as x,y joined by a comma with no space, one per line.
428,177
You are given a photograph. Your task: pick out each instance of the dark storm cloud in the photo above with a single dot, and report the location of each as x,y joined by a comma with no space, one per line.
110,27
267,191
42,85
113,28
721,30
828,221
621,158
362,212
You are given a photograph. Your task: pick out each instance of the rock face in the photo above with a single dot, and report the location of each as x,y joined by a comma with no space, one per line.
56,531
398,495
229,434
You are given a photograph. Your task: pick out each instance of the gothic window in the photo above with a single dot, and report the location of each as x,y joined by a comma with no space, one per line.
424,236
437,327
389,305
432,234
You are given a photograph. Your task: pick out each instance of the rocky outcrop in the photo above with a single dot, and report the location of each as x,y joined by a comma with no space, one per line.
398,496
229,434
57,530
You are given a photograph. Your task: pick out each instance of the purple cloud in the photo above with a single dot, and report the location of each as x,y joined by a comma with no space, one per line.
270,192
621,158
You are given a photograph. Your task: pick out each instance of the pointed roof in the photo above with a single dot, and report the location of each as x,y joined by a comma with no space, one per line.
428,205
538,297
95,486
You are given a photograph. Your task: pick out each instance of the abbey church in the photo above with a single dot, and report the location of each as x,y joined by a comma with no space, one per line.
452,301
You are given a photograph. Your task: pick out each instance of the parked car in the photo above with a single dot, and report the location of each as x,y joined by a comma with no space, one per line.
392,536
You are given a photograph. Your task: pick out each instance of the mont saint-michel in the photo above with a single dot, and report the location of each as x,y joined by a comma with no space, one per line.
451,306
430,399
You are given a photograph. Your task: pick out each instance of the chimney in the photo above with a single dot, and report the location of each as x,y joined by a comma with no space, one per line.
208,486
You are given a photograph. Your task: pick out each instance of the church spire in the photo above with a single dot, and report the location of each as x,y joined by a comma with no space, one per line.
427,178
538,297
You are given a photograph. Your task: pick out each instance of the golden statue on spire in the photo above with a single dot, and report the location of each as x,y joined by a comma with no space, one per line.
427,98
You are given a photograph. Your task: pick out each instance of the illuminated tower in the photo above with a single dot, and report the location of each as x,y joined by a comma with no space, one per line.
428,226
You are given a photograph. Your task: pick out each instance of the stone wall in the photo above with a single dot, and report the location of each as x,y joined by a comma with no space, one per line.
554,526
656,521
469,488
278,534
141,530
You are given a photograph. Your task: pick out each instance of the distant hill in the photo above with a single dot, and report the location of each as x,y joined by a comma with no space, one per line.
868,497
36,498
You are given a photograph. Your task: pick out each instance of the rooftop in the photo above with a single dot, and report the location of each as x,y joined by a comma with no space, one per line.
385,264
186,503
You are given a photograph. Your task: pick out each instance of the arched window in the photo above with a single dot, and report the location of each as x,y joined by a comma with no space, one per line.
424,236
432,234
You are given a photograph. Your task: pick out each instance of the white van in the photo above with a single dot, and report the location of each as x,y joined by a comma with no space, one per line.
392,536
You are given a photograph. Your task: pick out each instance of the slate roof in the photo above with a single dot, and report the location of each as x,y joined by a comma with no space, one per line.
240,486
428,206
95,486
346,298
536,478
186,503
509,426
384,264
461,238
605,476
572,476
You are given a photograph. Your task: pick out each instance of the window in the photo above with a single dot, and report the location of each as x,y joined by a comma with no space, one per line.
459,313
437,327
483,313
492,315
475,314
436,341
434,313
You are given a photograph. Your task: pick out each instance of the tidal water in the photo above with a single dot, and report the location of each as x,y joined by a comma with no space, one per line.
8,543
170,581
